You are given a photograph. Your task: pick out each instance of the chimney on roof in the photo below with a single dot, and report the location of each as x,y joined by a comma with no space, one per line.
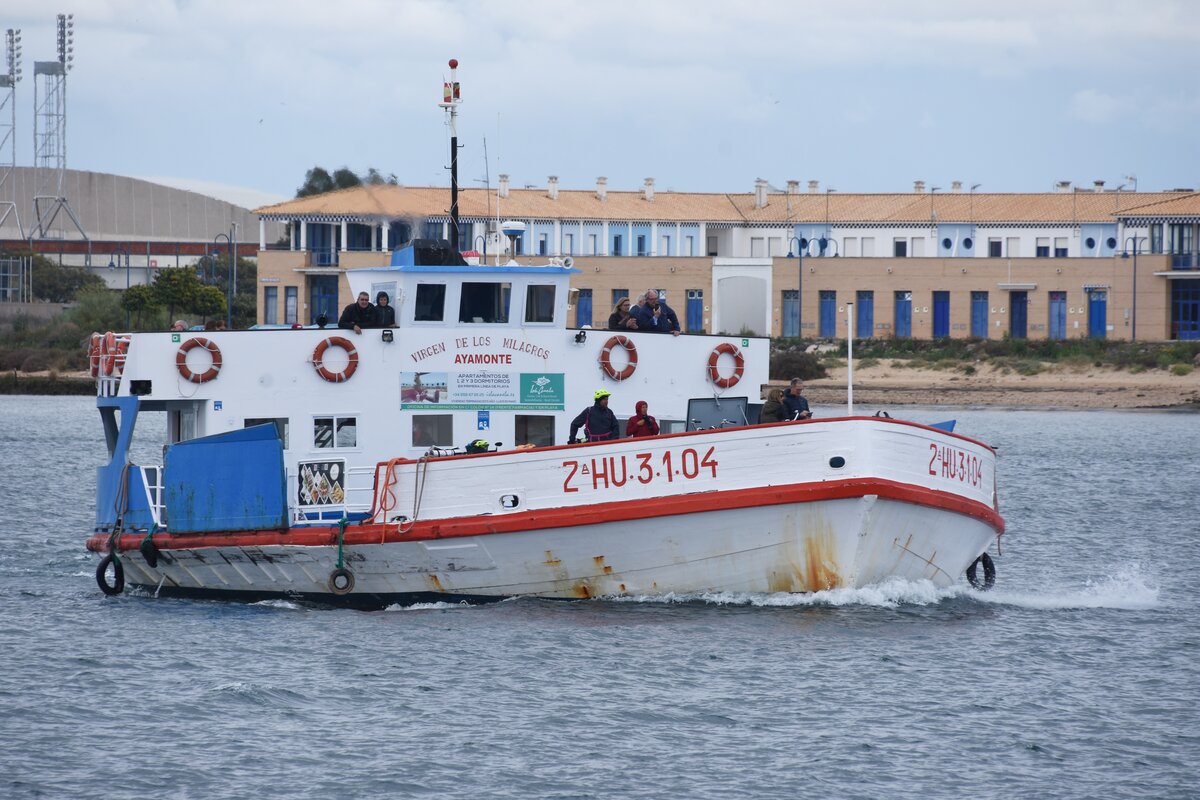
793,187
1098,185
919,187
552,187
601,189
814,187
1063,186
502,189
956,186
760,193
649,189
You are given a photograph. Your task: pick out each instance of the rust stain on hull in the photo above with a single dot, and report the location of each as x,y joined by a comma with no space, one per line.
815,570
434,583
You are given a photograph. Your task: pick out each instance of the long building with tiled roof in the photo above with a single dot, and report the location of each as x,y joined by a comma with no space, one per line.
925,263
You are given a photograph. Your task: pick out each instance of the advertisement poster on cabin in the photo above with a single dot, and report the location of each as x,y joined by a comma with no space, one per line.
472,391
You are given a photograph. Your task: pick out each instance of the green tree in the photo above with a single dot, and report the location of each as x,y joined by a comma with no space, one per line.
176,287
97,309
215,269
208,301
58,283
316,181
345,178
140,301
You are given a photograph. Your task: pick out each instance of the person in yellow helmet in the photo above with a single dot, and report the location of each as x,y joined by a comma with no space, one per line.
598,422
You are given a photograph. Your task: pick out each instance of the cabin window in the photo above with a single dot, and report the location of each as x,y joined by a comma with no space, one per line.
280,423
535,430
291,301
333,432
431,302
485,302
539,304
433,430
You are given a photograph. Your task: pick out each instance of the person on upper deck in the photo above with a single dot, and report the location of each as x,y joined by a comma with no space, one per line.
385,315
773,410
621,318
597,420
358,315
179,325
654,316
641,423
794,402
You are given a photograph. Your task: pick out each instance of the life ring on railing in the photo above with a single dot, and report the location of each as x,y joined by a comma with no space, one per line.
318,358
739,365
989,573
341,581
94,355
108,352
187,347
119,358
118,584
606,356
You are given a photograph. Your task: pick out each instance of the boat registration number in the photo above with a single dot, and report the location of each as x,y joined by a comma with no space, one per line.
954,464
613,472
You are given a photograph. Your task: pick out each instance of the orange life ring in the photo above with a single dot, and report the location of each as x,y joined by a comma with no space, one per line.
187,347
108,353
318,358
739,365
606,354
119,359
94,355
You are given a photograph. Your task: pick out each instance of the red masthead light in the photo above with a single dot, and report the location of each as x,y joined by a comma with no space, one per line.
454,63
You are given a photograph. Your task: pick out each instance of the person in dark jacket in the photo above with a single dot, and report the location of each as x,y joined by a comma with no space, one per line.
385,315
773,410
641,423
597,420
794,402
358,315
621,319
656,317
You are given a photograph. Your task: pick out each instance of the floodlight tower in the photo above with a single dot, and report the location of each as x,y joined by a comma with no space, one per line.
451,99
50,131
8,128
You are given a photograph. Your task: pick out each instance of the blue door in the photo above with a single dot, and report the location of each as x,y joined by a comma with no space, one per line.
323,299
828,315
1185,309
695,310
904,314
1058,315
1097,313
583,309
1018,305
979,315
864,315
941,315
791,314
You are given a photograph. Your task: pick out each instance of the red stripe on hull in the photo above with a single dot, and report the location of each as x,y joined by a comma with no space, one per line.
569,516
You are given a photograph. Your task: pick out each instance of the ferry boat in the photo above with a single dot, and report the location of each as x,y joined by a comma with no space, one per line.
321,464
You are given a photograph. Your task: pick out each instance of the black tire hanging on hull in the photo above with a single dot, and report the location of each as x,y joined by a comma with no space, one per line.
118,584
989,573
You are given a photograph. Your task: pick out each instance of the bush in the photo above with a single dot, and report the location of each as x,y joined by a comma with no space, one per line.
1181,369
789,364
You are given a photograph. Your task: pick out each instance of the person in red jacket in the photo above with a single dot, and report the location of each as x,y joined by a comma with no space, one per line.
641,423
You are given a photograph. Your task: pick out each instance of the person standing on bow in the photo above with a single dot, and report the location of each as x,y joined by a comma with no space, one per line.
597,420
641,423
358,315
794,401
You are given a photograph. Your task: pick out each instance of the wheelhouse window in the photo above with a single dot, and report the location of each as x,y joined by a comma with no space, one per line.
335,432
534,430
433,430
485,302
431,302
539,304
280,423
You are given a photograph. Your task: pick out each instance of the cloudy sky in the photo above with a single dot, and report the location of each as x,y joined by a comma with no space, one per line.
862,95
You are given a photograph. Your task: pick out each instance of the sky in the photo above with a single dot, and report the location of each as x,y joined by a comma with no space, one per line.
241,98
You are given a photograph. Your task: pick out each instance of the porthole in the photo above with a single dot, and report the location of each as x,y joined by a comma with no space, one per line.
967,243
946,243
1111,242
1090,243
837,462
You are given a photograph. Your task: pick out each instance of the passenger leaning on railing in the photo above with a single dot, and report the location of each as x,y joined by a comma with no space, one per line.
597,420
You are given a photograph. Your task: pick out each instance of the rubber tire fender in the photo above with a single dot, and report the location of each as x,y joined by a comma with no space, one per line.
118,584
343,586
989,573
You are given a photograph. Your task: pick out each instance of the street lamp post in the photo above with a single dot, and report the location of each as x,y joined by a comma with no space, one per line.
118,252
799,251
1125,254
231,238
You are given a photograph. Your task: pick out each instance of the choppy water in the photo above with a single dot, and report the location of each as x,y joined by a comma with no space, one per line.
1076,678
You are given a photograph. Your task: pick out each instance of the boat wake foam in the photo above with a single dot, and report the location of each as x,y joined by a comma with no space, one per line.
1128,589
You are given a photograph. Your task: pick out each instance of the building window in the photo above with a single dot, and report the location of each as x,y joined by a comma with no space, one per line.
712,245
433,430
539,304
569,244
280,423
664,246
618,295
995,248
641,245
946,243
592,245
616,247
918,246
1060,247
484,302
1089,243
335,432
291,299
431,302
270,305
543,244
690,245
535,430
1043,247
868,246
900,248
967,243
757,244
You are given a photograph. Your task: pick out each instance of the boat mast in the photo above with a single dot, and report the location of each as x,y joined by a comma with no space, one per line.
849,359
450,101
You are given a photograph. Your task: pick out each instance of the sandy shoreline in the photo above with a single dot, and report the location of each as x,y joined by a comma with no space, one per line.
1059,386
